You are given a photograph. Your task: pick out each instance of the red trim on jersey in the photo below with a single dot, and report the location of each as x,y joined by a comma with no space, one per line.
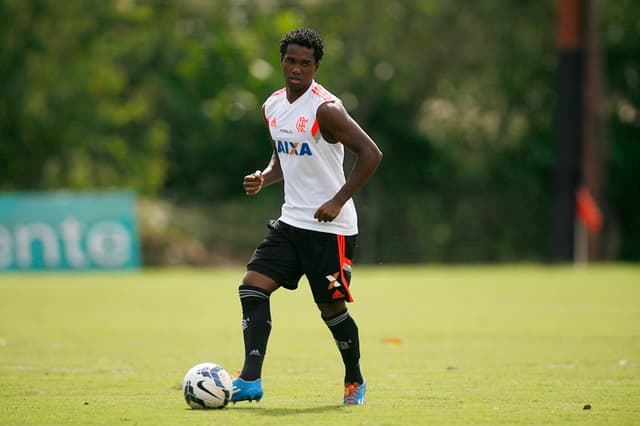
319,91
277,92
342,244
315,127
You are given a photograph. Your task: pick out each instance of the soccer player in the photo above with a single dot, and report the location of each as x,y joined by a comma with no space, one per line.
316,233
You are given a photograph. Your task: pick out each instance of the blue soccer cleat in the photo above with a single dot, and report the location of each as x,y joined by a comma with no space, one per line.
244,390
354,393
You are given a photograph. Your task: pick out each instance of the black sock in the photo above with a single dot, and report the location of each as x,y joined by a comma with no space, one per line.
256,327
345,333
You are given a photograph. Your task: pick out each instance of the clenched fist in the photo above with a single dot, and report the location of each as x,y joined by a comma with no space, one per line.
252,183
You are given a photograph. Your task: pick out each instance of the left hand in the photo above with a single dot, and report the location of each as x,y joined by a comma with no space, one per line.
328,211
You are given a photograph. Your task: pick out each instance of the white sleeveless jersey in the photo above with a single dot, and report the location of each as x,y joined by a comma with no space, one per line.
312,168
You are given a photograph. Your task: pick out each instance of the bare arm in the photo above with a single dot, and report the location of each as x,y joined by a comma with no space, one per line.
255,181
336,125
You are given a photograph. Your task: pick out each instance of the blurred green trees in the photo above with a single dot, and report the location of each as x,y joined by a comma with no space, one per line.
164,97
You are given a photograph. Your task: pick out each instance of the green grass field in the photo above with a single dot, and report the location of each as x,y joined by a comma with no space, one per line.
440,345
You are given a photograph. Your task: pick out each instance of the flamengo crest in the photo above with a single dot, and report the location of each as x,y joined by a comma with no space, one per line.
301,124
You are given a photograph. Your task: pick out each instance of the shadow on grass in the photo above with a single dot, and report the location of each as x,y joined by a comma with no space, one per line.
276,412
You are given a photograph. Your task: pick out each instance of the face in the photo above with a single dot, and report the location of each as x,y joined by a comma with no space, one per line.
299,67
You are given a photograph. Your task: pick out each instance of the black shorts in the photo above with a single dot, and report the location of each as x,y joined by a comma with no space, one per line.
288,252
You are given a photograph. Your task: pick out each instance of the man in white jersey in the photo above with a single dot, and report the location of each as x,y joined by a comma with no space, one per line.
316,233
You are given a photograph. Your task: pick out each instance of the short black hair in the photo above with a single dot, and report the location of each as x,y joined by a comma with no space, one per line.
304,37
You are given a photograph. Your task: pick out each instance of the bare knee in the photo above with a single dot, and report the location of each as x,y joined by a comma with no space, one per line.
259,280
328,310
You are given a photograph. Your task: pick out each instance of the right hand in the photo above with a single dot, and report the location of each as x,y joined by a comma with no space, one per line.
252,183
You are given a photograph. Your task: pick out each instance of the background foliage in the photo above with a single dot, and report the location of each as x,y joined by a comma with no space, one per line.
164,97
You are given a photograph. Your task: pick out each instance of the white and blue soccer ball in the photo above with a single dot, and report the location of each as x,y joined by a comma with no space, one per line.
207,385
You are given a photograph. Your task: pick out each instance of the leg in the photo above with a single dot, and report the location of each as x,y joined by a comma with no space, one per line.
273,264
256,327
345,332
256,321
328,268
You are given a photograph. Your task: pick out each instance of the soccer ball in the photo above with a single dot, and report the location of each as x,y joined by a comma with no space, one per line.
207,385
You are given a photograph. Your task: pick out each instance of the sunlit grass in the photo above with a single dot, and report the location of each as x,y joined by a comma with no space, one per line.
440,345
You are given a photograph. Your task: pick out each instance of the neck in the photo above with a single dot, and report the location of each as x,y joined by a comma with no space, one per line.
295,93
